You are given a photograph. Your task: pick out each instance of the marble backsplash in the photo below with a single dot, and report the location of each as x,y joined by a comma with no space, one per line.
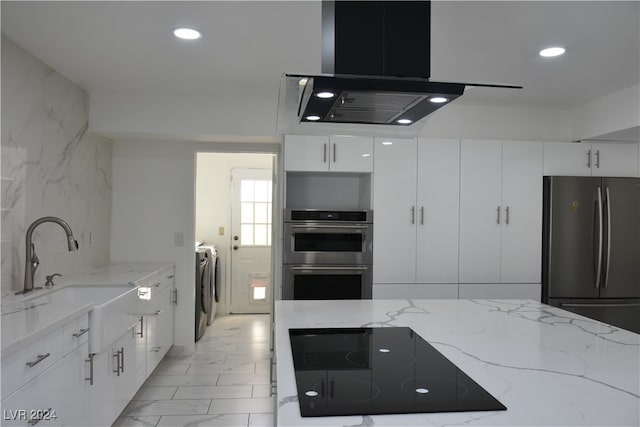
51,166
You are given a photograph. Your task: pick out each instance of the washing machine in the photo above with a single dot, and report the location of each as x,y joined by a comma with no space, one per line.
203,291
214,281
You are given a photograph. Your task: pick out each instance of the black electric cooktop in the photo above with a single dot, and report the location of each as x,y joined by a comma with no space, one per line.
368,371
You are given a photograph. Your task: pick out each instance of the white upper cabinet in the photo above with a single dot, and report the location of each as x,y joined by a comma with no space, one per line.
590,159
303,153
416,211
438,205
500,211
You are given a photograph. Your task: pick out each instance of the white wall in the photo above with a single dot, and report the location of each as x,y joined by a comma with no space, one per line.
51,166
153,198
213,198
616,111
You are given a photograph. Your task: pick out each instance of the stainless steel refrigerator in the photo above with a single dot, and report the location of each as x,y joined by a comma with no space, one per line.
591,241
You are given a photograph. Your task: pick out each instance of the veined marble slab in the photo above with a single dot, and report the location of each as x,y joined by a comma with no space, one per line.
549,367
24,322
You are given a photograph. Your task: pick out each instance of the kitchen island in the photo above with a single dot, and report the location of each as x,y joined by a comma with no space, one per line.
549,367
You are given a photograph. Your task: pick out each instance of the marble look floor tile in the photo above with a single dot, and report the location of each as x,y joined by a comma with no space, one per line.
155,393
263,367
261,420
243,379
261,390
247,347
240,406
214,392
245,368
182,380
136,422
170,369
209,346
203,358
248,357
168,407
227,420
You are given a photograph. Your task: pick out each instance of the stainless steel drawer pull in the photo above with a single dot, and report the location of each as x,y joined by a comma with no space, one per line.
506,218
40,358
90,361
498,215
81,332
421,215
157,312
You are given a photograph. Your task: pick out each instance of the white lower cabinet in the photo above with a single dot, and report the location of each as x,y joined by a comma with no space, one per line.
159,328
415,291
113,380
500,291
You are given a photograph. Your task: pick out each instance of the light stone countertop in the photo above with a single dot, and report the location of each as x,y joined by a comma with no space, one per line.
549,367
25,322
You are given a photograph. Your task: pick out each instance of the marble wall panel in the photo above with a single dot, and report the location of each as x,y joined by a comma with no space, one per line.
51,166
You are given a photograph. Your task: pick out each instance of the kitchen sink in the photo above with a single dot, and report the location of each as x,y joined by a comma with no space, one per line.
113,312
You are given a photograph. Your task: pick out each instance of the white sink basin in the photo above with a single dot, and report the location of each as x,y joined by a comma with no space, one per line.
114,309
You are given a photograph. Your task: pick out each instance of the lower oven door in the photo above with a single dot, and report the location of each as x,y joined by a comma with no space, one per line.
305,282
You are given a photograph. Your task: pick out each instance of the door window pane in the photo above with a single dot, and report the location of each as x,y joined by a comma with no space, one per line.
255,212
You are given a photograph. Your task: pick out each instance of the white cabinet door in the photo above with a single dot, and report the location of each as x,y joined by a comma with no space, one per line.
480,211
56,397
567,159
351,154
611,159
521,244
306,153
159,328
438,210
394,207
141,350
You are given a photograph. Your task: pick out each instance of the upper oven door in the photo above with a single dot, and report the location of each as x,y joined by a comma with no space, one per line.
337,244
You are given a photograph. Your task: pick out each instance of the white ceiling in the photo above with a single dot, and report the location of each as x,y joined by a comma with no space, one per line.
127,46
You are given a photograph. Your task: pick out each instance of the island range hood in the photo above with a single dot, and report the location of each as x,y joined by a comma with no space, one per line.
375,68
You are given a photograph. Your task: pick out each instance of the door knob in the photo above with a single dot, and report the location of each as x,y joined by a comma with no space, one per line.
235,237
235,247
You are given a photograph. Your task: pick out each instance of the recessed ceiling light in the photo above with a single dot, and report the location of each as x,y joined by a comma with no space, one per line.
325,95
552,51
187,33
387,143
404,121
313,118
438,99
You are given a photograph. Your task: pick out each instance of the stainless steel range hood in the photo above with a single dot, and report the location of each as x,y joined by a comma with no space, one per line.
375,71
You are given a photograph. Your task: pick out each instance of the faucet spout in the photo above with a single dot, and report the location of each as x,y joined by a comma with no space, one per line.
31,259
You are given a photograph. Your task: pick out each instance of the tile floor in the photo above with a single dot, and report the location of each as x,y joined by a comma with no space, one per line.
224,383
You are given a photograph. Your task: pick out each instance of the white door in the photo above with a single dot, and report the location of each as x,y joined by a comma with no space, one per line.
394,210
480,211
438,210
251,284
522,212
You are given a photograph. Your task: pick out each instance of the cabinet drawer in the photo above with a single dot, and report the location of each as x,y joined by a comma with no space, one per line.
75,333
25,364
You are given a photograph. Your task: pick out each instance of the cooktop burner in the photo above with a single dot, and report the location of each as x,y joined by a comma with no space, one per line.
368,371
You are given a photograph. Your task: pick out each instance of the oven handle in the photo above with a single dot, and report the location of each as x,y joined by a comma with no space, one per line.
330,268
336,227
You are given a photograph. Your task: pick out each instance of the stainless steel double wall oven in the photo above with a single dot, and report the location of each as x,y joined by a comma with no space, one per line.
328,254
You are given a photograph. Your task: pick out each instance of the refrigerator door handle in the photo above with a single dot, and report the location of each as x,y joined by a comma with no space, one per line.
613,304
599,257
608,203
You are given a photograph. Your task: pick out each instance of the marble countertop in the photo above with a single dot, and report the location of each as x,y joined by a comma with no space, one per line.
25,321
549,367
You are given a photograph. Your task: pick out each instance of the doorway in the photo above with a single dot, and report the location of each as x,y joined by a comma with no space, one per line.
225,184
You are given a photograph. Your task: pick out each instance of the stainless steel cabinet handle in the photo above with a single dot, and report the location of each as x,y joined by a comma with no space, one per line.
336,227
608,203
157,285
498,215
80,332
122,359
171,276
324,153
35,421
413,215
506,217
599,257
598,159
90,360
157,312
39,359
421,215
334,152
589,159
116,363
141,333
